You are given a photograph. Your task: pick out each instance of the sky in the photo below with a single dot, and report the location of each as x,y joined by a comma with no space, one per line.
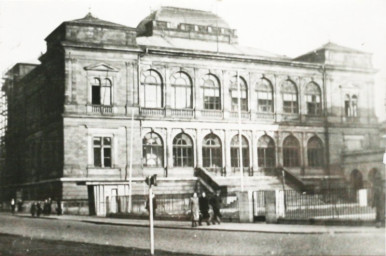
287,27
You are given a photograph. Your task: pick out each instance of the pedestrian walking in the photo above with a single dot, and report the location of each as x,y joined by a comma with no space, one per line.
195,209
154,205
215,202
38,209
49,206
45,207
58,207
13,205
204,209
33,209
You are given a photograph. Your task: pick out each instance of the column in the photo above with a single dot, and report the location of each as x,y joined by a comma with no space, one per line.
255,163
227,150
199,148
169,148
303,158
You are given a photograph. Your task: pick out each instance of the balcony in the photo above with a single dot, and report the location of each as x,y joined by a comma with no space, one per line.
244,114
265,116
182,113
157,112
212,113
108,110
313,118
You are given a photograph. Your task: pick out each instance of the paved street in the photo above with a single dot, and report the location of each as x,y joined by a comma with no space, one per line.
211,242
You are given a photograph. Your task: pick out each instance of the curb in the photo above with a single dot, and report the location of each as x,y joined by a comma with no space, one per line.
218,228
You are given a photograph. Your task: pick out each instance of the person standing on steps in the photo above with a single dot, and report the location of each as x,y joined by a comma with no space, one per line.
204,209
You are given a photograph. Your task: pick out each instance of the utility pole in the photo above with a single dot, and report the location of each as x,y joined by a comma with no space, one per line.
151,219
240,143
131,161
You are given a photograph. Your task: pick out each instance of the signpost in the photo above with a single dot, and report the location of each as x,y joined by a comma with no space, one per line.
150,181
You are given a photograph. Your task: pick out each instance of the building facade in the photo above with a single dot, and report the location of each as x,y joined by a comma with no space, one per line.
111,103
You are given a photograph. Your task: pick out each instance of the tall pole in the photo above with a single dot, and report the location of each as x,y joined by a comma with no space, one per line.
131,161
240,144
151,219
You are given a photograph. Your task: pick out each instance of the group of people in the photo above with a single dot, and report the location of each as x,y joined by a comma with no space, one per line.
200,209
37,209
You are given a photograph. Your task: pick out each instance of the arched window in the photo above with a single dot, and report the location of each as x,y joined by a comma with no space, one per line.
151,89
313,97
153,152
264,96
182,151
211,92
181,90
291,152
290,97
235,151
101,91
235,94
315,153
212,151
266,151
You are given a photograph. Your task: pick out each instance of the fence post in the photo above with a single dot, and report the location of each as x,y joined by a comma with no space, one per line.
280,203
362,197
270,206
245,206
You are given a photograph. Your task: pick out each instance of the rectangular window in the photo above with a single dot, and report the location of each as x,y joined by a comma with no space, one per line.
102,151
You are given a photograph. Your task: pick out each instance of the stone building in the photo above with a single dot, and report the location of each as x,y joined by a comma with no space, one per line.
166,94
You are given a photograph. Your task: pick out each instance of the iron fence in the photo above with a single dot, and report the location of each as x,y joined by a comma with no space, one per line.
167,205
327,204
343,204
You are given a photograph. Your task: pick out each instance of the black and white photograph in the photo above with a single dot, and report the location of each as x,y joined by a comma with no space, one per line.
192,127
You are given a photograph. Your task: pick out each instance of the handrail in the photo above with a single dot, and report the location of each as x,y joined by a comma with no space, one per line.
291,179
206,179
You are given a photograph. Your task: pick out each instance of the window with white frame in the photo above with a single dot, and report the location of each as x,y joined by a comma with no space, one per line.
291,152
212,152
181,87
101,93
264,96
235,151
290,97
183,151
153,151
102,151
313,98
266,151
235,96
151,89
211,92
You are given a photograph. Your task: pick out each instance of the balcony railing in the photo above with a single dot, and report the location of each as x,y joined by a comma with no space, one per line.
266,116
152,111
181,112
211,113
244,114
102,109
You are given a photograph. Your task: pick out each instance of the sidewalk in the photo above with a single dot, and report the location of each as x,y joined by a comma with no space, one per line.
240,227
